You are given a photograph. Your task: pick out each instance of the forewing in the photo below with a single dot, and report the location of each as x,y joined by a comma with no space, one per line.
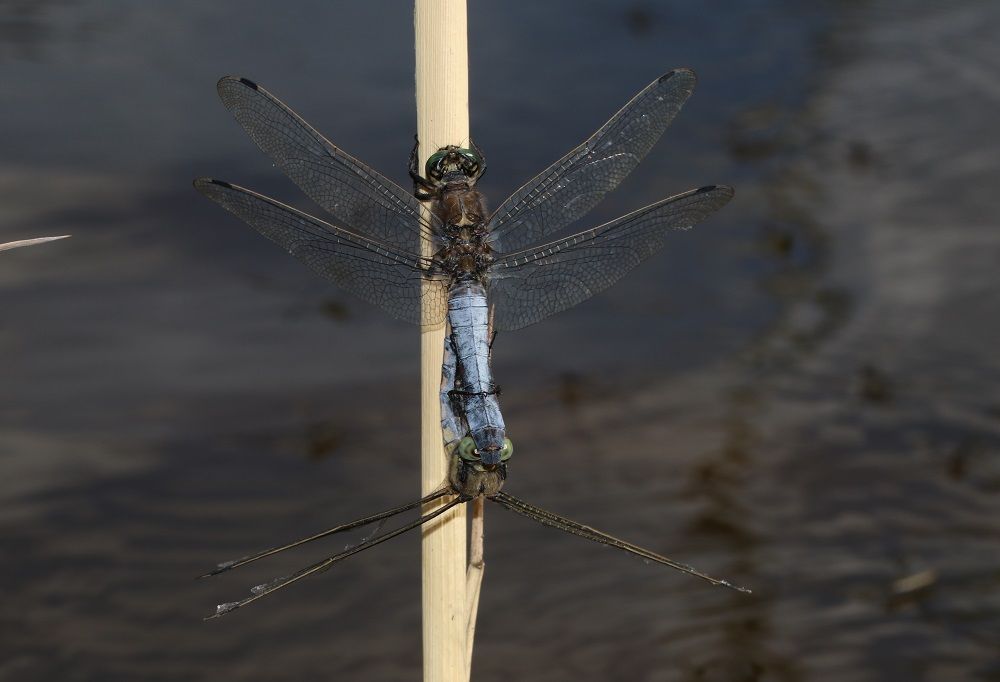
358,196
528,286
401,283
574,184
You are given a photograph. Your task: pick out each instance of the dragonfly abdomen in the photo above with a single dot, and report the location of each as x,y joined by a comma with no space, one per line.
468,315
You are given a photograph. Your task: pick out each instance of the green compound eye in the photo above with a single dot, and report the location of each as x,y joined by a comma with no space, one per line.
467,449
469,163
507,451
432,168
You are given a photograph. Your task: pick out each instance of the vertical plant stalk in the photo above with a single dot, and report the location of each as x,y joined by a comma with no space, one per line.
442,92
473,578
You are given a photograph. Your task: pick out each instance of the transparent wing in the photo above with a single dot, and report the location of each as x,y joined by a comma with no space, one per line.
569,188
357,196
528,286
401,283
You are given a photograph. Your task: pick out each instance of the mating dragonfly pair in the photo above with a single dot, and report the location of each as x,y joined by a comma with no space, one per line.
487,272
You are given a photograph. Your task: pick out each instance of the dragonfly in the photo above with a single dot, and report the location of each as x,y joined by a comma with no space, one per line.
486,272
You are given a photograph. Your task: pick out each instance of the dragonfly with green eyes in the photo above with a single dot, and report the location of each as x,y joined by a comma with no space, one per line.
487,272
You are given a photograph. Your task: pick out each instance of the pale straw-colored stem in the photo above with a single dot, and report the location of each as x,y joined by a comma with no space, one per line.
442,84
474,577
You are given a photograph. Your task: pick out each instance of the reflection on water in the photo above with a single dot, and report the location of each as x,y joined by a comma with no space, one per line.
800,395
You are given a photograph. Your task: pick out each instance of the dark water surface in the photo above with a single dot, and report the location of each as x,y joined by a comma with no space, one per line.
801,394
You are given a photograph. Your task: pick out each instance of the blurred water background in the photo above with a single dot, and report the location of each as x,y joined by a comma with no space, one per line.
801,394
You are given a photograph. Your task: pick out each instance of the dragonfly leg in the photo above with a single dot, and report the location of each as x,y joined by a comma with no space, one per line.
414,165
423,188
482,159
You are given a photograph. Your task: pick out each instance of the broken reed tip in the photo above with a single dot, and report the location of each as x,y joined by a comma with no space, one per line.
30,242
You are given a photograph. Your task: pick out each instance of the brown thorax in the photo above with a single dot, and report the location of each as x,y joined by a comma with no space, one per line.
469,480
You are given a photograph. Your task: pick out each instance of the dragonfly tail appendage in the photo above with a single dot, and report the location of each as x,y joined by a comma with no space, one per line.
374,518
267,588
547,518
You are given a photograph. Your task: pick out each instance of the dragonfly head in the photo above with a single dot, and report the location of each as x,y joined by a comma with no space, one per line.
485,458
453,161
474,472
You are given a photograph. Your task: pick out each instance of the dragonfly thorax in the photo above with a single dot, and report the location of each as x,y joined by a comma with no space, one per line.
468,479
466,258
458,205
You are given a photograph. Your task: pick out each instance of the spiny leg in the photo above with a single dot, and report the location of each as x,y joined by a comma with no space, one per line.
228,565
423,188
482,159
547,518
414,163
265,589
